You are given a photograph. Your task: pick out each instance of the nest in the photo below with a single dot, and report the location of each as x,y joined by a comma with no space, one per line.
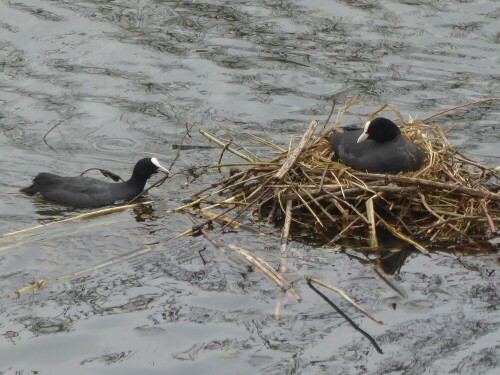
450,200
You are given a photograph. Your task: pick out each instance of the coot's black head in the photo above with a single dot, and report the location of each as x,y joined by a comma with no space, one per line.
380,130
146,167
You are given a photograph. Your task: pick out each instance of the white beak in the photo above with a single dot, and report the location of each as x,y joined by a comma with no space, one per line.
160,168
364,136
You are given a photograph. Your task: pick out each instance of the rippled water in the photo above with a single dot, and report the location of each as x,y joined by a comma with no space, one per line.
121,79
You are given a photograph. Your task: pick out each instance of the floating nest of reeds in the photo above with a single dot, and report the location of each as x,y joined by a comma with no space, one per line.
452,200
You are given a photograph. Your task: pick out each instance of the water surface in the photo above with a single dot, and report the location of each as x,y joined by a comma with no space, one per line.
121,79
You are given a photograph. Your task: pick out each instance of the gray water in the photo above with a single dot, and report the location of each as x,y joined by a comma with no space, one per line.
121,79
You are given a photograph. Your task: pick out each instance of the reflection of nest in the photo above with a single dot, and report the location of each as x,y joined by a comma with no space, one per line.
451,199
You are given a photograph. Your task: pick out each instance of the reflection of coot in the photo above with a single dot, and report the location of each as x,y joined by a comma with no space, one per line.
378,148
90,192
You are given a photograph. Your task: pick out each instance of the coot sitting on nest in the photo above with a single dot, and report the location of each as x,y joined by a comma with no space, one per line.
86,192
378,148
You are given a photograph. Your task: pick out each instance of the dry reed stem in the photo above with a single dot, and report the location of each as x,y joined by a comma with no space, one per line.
440,113
215,139
285,236
68,276
46,237
269,271
87,215
349,320
344,295
292,159
260,140
42,282
370,213
477,193
318,220
400,235
390,282
221,219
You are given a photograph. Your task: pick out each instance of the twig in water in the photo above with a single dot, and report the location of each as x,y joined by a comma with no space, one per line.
186,134
334,103
349,320
285,235
254,138
344,296
105,173
460,106
57,124
390,282
226,146
213,138
269,271
68,276
86,215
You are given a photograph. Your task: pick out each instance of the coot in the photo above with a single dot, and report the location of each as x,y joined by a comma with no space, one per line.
378,148
86,192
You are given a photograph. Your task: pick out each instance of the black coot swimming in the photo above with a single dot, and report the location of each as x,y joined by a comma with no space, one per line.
378,148
86,192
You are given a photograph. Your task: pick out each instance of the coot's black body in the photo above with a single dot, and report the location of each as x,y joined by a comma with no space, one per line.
378,148
86,192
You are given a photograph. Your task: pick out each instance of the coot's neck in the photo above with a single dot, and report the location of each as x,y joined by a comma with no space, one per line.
137,181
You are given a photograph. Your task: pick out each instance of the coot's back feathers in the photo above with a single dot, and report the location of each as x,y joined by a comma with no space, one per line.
378,148
86,192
